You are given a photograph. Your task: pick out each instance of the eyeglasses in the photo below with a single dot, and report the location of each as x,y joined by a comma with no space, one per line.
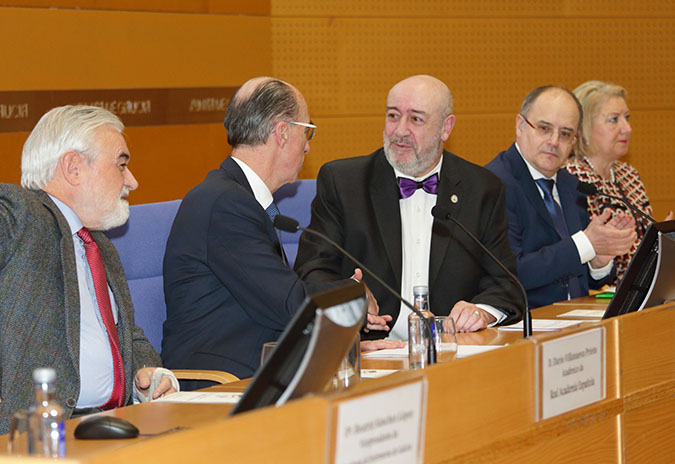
309,131
546,130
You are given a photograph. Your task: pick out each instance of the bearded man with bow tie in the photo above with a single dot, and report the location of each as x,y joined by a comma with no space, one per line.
378,207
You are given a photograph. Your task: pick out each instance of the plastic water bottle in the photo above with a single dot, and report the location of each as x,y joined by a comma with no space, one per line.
418,336
46,428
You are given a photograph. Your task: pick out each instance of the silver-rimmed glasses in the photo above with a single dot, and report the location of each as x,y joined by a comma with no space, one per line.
547,131
310,128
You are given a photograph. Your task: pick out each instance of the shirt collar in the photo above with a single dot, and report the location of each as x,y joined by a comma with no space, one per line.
533,171
435,170
261,193
74,222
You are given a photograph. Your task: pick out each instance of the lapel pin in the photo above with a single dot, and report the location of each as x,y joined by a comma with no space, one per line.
454,198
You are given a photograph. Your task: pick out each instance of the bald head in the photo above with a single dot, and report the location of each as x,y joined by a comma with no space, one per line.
257,106
429,92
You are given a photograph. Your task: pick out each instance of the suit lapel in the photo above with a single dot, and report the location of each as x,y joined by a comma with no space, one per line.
234,172
526,182
385,196
71,294
450,195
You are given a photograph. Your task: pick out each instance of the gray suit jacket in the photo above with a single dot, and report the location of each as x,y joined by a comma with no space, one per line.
40,303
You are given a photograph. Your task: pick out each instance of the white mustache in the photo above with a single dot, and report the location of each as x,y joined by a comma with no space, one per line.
124,193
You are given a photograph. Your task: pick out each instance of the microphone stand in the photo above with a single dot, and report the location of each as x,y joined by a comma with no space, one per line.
444,214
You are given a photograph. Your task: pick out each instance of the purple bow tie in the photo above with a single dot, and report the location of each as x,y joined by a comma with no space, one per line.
409,186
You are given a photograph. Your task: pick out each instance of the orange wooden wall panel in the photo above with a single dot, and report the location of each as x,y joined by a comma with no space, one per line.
345,55
97,49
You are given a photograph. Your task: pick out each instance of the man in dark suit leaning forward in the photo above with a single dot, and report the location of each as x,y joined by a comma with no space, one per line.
64,300
227,285
559,253
378,207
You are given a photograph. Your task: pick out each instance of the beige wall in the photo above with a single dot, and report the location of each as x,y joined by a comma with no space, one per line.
345,55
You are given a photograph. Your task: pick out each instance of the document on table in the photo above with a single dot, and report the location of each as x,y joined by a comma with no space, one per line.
542,325
202,397
462,351
584,313
376,373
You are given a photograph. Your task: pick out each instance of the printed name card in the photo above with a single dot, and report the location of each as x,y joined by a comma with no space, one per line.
572,372
386,426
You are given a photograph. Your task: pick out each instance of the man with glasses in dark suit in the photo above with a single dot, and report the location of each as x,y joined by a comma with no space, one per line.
559,252
227,285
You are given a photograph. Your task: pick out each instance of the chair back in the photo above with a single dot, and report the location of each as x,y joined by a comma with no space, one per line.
141,243
295,200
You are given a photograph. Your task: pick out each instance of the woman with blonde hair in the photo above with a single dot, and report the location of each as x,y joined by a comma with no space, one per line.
604,139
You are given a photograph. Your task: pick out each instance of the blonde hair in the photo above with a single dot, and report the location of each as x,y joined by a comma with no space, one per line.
592,95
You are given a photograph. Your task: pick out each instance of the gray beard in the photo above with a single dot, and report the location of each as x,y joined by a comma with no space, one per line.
420,164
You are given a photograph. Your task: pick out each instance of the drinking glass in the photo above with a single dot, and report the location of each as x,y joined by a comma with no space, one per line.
445,338
17,444
349,372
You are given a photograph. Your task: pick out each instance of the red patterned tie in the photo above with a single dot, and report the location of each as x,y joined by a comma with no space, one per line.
101,287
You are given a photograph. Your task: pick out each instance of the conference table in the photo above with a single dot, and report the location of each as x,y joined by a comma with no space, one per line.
482,408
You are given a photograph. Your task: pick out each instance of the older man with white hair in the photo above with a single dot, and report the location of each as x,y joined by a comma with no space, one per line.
64,300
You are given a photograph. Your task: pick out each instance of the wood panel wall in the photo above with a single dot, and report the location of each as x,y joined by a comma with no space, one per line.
344,55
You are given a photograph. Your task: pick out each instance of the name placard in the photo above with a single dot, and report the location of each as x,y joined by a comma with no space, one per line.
386,426
572,372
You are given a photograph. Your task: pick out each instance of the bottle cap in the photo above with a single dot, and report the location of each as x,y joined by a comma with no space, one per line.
44,375
420,289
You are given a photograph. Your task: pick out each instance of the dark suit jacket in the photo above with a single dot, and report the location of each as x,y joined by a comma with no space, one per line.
40,303
545,261
357,205
227,288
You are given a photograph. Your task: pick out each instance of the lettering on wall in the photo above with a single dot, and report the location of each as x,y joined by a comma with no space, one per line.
20,110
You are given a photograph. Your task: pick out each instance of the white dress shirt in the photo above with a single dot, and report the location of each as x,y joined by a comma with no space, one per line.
260,191
416,225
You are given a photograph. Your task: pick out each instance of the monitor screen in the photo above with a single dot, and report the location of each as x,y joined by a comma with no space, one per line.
310,350
650,278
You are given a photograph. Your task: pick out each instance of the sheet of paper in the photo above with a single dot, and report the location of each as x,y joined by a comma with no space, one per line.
462,351
202,397
389,353
584,313
542,324
376,373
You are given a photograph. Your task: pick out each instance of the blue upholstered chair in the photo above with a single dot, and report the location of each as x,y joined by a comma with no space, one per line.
141,243
295,200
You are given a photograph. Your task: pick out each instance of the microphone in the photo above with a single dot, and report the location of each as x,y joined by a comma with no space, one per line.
287,224
590,189
443,214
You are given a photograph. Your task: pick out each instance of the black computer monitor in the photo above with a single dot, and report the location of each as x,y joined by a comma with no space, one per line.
310,350
650,277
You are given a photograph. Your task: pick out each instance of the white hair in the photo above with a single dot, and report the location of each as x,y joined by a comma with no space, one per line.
62,129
